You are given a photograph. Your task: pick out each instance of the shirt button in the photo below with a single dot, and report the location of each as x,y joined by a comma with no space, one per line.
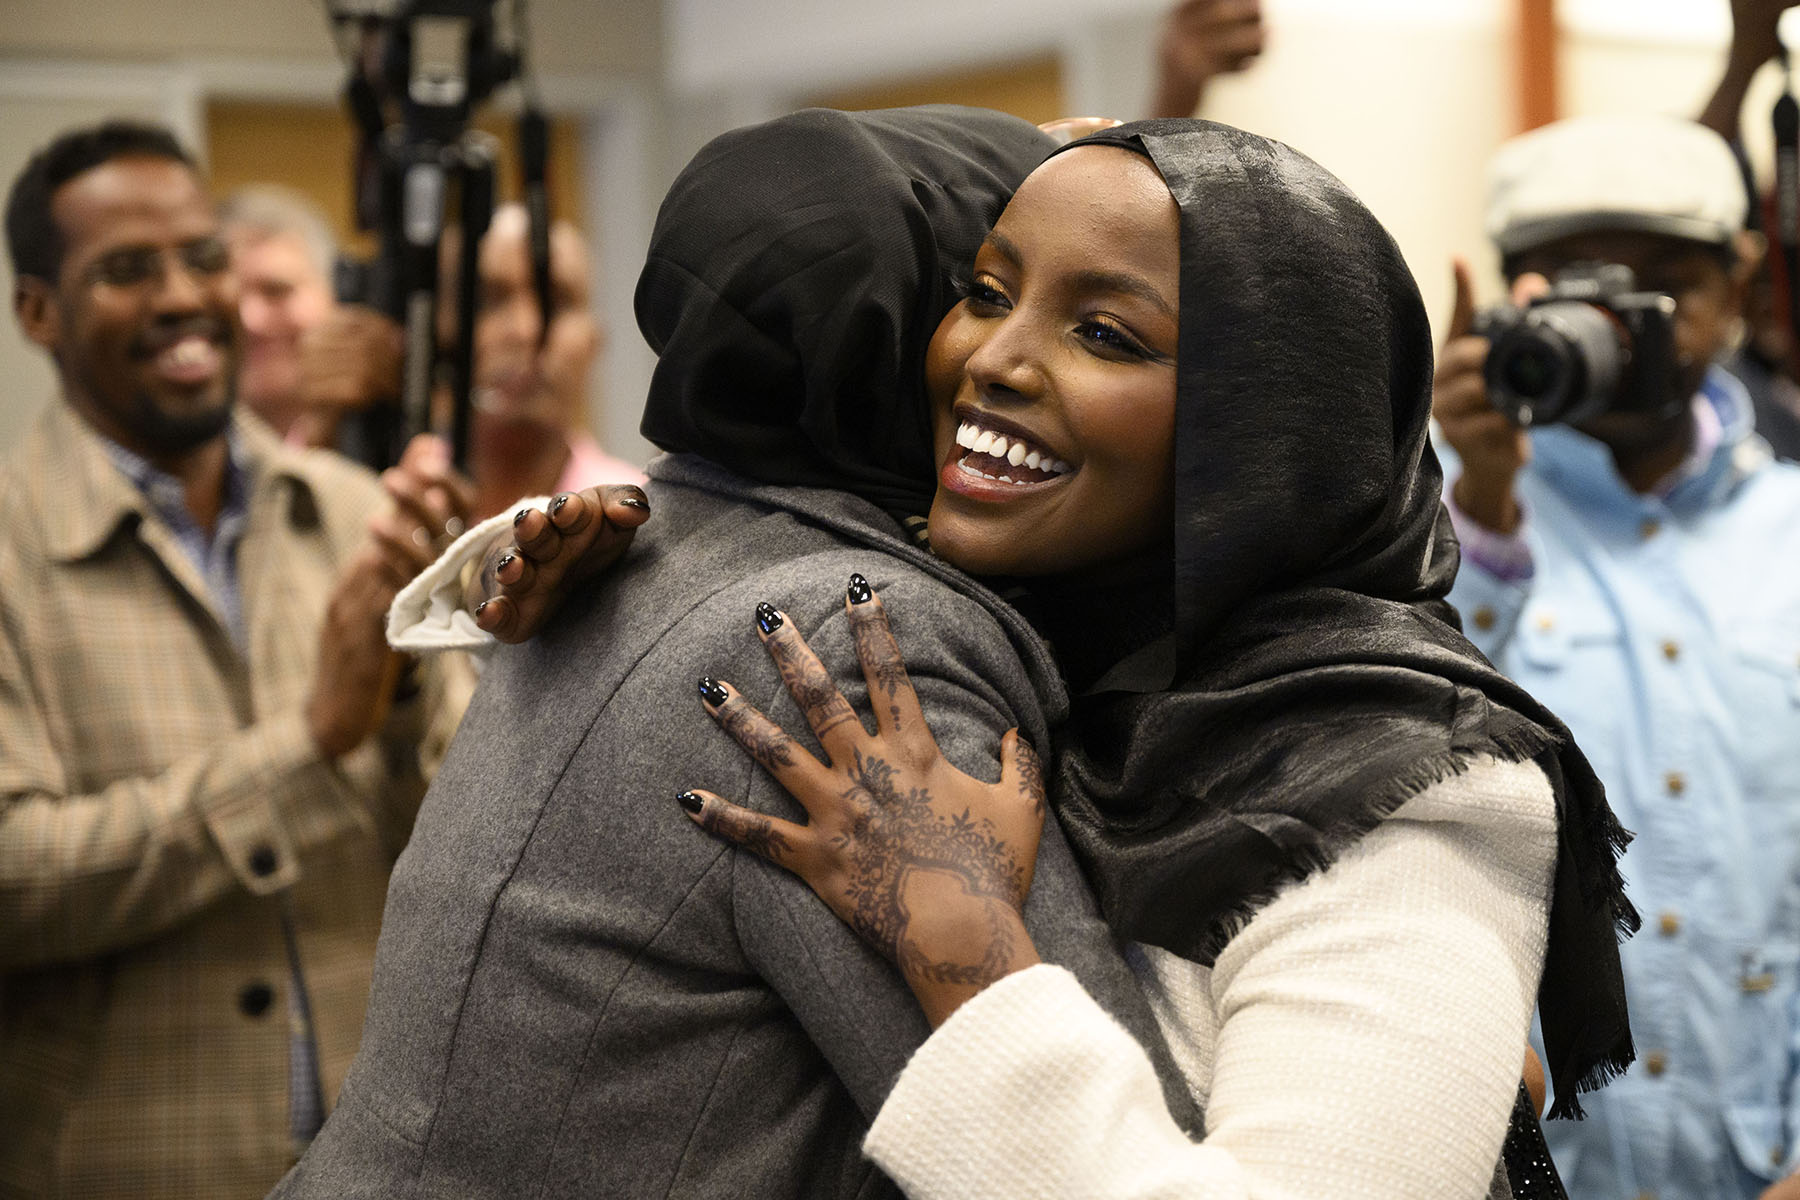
1777,1156
1676,782
263,861
1484,618
1546,622
1671,651
1650,528
255,999
1669,924
1656,1062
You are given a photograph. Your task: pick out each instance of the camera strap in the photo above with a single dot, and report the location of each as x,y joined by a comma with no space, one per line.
1785,264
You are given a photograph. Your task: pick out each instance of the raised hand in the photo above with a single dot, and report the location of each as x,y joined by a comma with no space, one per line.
353,681
929,866
1493,450
523,578
1201,40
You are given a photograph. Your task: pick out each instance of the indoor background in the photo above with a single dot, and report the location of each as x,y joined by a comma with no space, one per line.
1405,99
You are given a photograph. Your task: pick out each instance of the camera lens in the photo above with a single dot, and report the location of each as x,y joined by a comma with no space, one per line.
1560,361
1531,371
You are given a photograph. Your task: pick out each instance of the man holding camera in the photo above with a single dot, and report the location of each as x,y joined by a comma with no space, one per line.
208,756
1631,553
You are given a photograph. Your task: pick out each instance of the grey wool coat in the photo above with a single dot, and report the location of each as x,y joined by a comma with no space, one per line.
580,993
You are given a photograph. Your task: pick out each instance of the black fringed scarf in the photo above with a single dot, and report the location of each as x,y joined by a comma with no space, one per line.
1309,677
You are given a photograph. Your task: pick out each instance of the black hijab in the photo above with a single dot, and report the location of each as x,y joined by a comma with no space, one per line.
1309,676
796,273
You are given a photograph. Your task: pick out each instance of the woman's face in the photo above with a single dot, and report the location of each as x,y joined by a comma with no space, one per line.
1052,383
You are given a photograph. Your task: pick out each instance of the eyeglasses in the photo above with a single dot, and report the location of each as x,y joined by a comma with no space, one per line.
135,266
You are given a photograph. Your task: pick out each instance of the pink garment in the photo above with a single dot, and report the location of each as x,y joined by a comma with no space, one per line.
589,465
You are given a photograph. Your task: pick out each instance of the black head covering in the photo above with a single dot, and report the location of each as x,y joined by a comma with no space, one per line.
1310,676
796,273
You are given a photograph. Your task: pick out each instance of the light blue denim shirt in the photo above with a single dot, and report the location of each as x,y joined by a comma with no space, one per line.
1665,630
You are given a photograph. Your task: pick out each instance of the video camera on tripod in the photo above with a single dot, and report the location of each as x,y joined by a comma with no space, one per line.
417,70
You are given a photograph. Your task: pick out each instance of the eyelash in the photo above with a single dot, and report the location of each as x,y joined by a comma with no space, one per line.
1105,337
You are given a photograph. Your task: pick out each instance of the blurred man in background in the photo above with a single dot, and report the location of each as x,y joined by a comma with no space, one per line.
208,756
284,254
1634,561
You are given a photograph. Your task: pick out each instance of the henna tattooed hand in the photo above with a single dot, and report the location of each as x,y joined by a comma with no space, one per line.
929,866
525,574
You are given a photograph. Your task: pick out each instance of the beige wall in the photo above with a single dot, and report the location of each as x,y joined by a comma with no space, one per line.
1405,108
622,36
1031,89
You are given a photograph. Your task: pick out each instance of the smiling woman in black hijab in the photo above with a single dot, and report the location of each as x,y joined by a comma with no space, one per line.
1209,474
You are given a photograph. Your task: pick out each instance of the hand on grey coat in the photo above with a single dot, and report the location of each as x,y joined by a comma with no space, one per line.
928,865
524,577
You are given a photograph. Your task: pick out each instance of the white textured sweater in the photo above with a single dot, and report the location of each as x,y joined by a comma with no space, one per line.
1361,1036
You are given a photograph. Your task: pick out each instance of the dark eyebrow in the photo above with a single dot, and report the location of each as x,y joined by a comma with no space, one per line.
1003,246
1091,281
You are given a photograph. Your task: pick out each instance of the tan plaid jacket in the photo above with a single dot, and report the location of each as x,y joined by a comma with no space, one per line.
160,801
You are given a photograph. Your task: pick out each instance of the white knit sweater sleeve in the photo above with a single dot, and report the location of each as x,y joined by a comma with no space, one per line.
1362,1036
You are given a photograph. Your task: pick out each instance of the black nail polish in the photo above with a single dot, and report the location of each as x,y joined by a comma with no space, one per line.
691,802
767,619
506,560
858,591
711,692
637,502
556,505
520,515
482,607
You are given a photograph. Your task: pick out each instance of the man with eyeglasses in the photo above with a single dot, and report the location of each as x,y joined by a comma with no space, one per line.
208,756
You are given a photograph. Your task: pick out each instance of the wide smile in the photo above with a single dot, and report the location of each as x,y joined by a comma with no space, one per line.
995,461
189,361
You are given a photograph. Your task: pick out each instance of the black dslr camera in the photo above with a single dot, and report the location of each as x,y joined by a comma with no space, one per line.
1590,345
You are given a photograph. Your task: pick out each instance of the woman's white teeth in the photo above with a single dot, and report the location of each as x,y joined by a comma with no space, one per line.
1014,451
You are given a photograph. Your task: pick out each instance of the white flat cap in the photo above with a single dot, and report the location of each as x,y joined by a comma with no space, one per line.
1637,173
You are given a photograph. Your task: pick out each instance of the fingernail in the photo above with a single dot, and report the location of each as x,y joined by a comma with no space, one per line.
767,619
711,692
506,560
482,607
556,505
858,591
691,802
636,502
520,515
